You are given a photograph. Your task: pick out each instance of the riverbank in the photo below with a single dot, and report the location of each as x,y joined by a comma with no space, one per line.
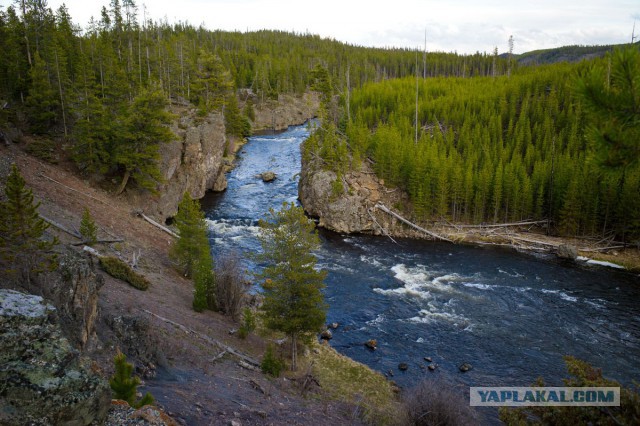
364,204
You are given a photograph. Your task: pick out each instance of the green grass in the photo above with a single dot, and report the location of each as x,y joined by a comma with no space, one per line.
344,379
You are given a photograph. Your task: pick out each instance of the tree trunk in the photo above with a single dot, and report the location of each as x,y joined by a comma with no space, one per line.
64,115
294,352
123,184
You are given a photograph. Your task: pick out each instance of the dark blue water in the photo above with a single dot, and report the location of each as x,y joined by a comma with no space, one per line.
512,316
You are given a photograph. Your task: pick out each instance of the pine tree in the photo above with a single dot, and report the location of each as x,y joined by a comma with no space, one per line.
124,385
236,123
193,244
23,252
145,129
571,208
42,102
293,300
612,101
249,110
204,281
212,83
88,228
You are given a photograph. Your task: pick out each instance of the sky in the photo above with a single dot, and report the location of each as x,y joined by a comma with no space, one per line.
463,26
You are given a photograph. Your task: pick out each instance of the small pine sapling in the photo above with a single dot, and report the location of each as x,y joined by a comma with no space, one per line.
124,385
248,323
88,228
271,364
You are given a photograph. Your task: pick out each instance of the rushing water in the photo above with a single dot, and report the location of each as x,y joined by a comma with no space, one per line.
512,316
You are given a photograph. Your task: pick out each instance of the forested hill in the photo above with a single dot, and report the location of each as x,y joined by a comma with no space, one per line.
562,54
504,148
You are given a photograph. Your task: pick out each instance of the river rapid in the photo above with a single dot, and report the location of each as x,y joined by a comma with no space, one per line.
512,316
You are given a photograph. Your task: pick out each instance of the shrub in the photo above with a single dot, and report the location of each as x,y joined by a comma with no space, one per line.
124,385
271,364
432,402
230,285
248,323
120,270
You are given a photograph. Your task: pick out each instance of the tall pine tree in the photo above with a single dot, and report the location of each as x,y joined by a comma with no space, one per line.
145,128
193,243
23,252
293,299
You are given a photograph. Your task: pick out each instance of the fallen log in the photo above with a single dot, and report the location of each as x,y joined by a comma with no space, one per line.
504,225
91,251
208,339
118,240
527,240
384,231
73,189
62,228
413,225
157,225
601,248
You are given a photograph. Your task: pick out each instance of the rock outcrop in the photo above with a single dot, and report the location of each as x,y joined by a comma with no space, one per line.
44,380
73,290
350,207
286,111
136,338
194,163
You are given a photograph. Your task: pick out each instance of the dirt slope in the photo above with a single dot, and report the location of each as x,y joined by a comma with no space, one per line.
198,381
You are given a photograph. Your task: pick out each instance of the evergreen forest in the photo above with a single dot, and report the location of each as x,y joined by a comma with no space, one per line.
496,149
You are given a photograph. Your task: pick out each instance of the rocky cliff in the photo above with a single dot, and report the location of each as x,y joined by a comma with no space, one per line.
287,111
193,163
73,290
197,160
44,380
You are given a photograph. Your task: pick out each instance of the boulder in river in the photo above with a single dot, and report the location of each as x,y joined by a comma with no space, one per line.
465,367
371,344
432,367
268,176
45,381
567,251
403,366
326,335
334,325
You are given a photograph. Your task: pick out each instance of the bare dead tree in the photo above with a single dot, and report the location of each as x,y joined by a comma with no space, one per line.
231,285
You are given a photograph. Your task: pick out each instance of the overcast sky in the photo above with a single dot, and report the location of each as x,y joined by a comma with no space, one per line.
465,26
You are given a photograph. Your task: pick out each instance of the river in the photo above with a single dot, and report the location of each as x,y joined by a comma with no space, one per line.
512,316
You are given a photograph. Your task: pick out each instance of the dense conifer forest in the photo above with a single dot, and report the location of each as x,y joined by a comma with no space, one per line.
491,149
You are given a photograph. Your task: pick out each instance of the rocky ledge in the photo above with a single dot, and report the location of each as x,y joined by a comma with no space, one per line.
352,209
44,380
287,111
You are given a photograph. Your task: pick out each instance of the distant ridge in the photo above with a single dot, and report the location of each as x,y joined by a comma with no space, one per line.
565,54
